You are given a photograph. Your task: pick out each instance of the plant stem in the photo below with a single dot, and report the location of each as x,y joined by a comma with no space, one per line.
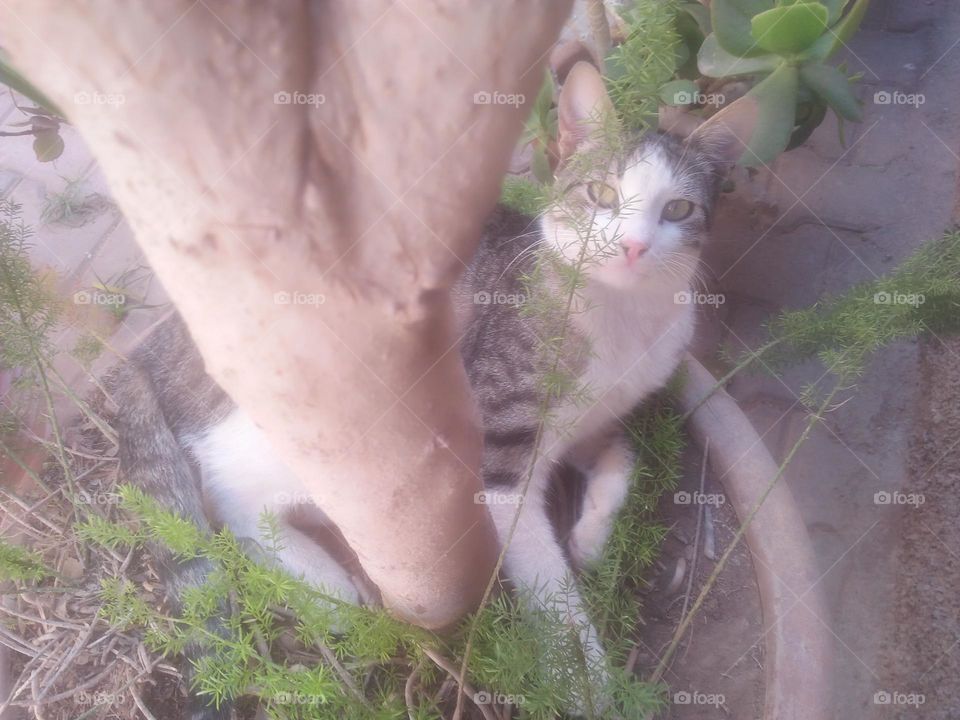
54,424
742,365
464,688
101,424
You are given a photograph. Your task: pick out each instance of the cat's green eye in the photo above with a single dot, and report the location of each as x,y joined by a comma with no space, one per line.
603,195
677,210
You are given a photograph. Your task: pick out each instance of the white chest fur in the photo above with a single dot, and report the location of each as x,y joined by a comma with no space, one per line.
242,474
636,342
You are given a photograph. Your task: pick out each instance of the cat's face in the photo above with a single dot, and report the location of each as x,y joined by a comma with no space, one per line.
641,218
633,212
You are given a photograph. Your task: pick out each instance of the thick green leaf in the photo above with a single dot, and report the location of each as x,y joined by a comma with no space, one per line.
544,101
839,34
44,122
776,98
834,88
805,95
679,92
691,38
809,117
552,123
730,20
754,7
790,28
47,145
714,61
835,8
540,165
538,122
14,80
700,14
615,69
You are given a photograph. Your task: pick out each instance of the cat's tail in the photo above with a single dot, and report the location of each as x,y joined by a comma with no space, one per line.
151,459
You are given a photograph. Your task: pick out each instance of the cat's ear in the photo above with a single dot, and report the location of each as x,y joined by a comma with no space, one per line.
584,110
565,55
726,135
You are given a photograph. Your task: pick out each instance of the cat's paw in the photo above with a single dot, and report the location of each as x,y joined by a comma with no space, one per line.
591,695
588,540
592,704
580,670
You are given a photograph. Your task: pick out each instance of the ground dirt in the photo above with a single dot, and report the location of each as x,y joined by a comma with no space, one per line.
922,659
718,670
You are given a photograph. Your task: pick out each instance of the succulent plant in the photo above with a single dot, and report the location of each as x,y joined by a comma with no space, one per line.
785,45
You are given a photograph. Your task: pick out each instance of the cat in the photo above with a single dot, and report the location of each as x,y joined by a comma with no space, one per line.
633,225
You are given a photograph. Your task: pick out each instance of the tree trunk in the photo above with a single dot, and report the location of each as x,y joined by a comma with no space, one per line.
308,179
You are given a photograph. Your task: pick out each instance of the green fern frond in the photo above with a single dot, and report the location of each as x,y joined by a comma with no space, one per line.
18,563
184,538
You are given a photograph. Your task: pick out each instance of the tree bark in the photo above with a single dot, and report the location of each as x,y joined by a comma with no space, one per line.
311,245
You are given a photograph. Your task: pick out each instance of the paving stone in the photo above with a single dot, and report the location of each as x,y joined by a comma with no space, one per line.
911,17
8,111
8,180
17,153
835,477
859,258
826,142
852,197
889,134
61,245
780,269
888,61
876,16
743,328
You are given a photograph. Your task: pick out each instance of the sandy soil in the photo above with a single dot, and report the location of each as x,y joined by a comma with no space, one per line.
923,657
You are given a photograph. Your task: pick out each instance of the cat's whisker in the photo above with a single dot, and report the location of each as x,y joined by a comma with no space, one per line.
525,253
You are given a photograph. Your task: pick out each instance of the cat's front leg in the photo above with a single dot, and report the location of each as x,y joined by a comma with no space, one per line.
534,562
607,486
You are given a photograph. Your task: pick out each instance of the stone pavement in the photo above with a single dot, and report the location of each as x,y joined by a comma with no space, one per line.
821,219
86,244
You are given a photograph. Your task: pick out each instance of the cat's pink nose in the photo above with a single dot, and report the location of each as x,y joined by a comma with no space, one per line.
633,249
